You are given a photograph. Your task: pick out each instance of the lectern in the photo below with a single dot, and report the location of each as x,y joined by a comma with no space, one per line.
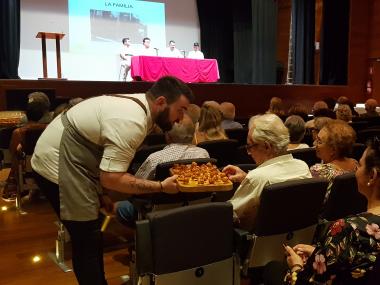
51,36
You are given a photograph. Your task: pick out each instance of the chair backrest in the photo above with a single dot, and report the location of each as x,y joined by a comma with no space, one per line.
154,139
288,213
222,150
188,245
344,198
142,154
242,157
364,135
359,125
30,139
358,150
238,134
306,154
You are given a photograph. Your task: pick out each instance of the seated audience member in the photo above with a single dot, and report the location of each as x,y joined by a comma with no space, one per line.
320,109
267,142
179,140
172,51
343,112
333,145
37,116
275,107
228,112
296,128
196,52
370,108
194,111
343,100
146,50
319,123
65,106
179,147
209,125
299,110
346,254
126,54
214,104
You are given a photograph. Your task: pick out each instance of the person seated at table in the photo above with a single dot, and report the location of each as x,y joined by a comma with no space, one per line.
348,251
146,50
333,145
179,147
126,54
172,51
228,112
209,126
267,144
196,52
296,128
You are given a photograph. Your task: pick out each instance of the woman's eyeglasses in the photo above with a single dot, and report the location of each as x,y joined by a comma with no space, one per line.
248,147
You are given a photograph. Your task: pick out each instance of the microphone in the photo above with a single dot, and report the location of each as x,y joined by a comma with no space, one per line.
156,51
184,52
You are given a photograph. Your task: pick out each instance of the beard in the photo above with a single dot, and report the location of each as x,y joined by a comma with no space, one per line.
163,120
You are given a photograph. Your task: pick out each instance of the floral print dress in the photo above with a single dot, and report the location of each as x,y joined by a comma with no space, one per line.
348,251
328,171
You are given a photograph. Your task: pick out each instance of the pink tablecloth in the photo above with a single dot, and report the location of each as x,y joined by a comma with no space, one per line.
152,68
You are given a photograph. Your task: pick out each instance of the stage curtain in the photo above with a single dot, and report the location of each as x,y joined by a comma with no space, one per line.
264,41
303,37
9,38
215,21
334,42
242,27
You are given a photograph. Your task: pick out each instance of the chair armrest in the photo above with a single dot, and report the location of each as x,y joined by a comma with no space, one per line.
242,243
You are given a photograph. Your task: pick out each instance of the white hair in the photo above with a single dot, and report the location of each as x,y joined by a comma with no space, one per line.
270,128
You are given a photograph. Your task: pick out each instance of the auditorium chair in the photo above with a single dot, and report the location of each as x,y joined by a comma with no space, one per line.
364,135
242,157
224,151
287,214
187,245
155,139
238,134
142,154
358,150
306,154
344,198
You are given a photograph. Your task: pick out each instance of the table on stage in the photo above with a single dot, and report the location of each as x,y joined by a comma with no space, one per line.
151,68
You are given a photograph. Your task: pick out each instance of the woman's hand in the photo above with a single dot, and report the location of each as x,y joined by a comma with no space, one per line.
293,259
234,173
169,185
304,250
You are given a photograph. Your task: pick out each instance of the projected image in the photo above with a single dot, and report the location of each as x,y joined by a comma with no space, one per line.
122,22
98,26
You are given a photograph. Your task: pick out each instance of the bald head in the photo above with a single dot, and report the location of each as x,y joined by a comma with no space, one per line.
320,105
370,105
228,110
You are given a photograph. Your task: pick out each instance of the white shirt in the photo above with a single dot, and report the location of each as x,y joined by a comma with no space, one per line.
147,51
172,53
126,51
279,169
170,153
118,124
196,54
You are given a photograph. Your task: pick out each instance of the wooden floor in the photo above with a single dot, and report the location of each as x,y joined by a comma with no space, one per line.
24,236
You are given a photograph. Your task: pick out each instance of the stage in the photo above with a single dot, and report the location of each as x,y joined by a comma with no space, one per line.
249,99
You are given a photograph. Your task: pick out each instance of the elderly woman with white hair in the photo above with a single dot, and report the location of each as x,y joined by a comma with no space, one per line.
267,143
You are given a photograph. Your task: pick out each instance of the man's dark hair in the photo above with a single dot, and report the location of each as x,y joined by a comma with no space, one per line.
171,41
171,88
124,40
144,39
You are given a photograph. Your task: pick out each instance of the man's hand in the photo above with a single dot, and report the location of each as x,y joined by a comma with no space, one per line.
169,185
234,173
